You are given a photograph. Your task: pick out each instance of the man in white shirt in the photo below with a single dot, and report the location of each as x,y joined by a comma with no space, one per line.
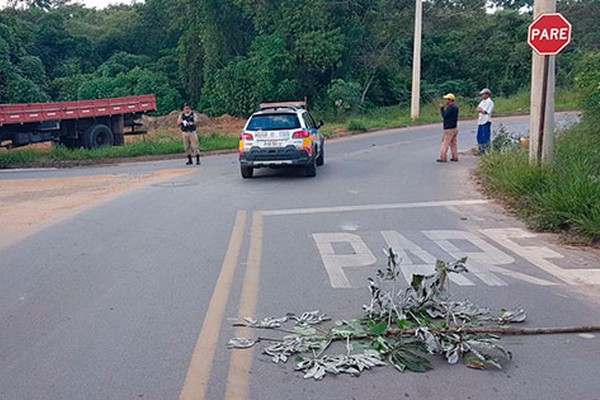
484,121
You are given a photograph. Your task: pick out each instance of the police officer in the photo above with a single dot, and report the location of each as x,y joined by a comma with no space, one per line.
187,121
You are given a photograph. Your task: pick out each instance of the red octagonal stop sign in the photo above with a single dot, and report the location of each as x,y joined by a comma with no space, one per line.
549,34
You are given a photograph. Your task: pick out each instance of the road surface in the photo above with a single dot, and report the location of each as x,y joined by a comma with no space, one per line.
129,290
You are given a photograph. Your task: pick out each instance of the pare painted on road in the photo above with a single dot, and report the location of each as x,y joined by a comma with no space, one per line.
488,265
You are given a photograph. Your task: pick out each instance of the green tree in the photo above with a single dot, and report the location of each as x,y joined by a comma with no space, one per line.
247,81
231,91
134,82
32,68
344,96
23,90
122,62
216,33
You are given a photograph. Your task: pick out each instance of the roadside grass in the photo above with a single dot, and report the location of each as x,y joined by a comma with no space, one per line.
394,117
381,118
374,119
563,197
564,100
399,116
18,158
150,146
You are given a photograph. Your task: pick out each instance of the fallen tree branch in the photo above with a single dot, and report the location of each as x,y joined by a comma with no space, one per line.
502,330
433,325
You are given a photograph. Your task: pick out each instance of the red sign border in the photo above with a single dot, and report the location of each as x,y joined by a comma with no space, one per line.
553,53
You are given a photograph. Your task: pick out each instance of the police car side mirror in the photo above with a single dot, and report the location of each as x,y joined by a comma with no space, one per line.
320,124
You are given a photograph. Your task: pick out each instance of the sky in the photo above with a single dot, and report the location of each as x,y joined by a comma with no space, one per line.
90,3
103,3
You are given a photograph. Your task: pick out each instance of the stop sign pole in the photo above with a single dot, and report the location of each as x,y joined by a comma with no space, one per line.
548,34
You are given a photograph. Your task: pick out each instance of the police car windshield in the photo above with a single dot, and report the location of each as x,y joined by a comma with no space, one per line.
273,122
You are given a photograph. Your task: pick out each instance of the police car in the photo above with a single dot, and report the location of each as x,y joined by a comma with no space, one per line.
281,135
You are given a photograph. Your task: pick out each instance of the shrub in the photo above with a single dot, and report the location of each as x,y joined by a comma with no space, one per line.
345,96
357,125
588,82
504,140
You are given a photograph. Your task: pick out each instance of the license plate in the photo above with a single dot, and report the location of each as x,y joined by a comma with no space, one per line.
272,135
272,143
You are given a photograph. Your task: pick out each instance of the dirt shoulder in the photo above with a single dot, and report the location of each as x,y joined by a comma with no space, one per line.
29,205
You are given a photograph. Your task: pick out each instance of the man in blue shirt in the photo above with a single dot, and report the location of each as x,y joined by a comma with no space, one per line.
450,116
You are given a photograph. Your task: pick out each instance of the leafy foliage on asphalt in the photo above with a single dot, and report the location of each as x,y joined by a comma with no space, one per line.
399,327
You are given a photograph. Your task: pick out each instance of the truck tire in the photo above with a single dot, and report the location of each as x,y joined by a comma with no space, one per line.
97,136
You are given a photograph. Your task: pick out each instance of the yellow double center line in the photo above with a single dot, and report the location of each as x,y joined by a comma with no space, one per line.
198,375
241,361
199,371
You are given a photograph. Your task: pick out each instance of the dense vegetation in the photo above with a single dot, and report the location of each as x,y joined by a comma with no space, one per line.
226,56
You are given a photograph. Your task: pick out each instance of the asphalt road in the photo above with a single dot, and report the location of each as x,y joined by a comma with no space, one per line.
135,298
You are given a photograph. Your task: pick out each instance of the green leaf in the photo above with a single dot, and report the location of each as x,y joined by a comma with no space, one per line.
418,366
405,324
406,360
416,281
379,329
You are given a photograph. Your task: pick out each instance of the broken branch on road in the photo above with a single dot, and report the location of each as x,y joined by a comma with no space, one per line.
399,327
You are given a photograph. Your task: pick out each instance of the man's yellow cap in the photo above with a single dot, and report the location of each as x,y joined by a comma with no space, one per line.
450,96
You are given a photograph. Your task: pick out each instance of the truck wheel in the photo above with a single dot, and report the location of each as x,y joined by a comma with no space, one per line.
97,136
247,172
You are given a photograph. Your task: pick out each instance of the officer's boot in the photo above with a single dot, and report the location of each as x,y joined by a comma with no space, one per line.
189,162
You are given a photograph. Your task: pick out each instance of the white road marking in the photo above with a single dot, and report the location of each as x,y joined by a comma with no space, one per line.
478,262
538,256
371,207
349,226
402,246
484,264
335,263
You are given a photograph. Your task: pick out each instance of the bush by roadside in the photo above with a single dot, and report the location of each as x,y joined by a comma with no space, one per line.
563,197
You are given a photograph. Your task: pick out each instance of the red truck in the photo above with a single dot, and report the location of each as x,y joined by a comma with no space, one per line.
87,123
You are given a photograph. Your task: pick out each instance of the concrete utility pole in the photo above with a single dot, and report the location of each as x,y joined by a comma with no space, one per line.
541,123
416,77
